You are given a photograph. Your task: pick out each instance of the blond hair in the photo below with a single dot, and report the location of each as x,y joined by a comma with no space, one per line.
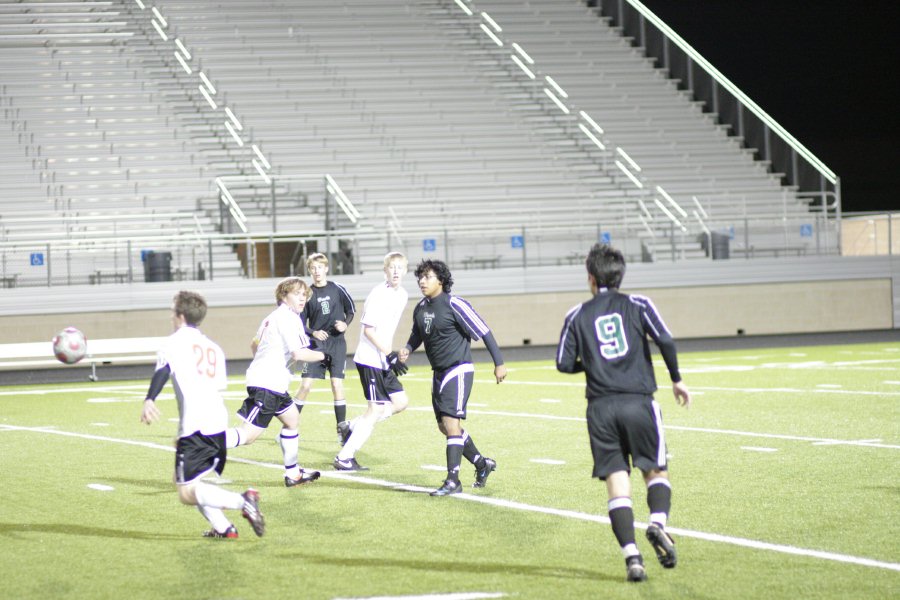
288,285
392,256
314,258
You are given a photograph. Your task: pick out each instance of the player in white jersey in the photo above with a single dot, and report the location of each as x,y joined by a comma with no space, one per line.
197,367
378,366
279,342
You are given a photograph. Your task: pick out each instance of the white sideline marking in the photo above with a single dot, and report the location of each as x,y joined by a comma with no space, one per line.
100,487
100,424
434,467
547,461
457,596
759,449
571,514
860,442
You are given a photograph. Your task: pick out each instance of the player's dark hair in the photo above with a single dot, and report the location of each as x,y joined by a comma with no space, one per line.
606,265
441,271
190,305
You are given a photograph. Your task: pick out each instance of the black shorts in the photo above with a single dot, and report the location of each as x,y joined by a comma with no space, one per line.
262,404
450,390
623,427
378,384
336,349
198,454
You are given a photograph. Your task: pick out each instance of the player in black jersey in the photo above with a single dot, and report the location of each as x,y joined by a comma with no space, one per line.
447,324
325,318
607,338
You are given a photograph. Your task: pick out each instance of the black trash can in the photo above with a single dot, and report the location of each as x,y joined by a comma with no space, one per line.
158,266
717,245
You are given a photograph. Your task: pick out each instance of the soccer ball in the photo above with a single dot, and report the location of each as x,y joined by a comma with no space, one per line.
69,345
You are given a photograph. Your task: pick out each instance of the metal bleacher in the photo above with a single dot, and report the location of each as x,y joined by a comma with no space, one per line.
429,128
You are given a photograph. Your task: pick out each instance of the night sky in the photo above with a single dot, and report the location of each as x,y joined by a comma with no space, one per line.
825,70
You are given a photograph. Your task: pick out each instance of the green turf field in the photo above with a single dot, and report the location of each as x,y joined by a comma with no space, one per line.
784,475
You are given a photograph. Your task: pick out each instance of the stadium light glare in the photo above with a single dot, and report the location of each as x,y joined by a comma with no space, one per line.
234,119
261,172
671,201
464,8
591,136
184,50
159,30
209,99
522,66
140,4
669,214
184,65
159,16
491,35
492,22
556,87
633,179
558,102
588,118
207,82
524,54
630,160
234,134
262,158
700,207
647,225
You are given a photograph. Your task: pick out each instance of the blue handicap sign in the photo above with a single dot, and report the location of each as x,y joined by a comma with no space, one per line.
144,254
37,259
731,232
517,241
806,230
605,237
429,245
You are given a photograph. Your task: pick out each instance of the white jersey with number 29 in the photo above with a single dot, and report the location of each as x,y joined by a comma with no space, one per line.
197,365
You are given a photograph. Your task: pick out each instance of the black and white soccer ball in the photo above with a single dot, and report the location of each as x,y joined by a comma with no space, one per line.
69,345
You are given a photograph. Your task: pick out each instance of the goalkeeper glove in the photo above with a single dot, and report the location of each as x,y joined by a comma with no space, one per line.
394,364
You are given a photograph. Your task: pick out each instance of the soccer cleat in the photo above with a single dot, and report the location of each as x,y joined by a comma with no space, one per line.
251,512
344,431
481,475
634,566
663,544
304,477
230,533
449,487
349,464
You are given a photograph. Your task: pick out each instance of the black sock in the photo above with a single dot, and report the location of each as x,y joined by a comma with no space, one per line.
454,457
470,452
659,499
621,517
340,411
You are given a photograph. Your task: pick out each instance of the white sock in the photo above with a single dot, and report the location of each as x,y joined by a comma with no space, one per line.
216,518
212,496
232,438
290,447
630,550
359,436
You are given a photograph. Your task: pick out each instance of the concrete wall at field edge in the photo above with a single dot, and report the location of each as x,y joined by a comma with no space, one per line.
689,312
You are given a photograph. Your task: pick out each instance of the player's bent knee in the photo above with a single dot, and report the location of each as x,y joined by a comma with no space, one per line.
186,494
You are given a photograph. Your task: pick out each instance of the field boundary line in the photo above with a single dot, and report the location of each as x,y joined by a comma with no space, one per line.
498,502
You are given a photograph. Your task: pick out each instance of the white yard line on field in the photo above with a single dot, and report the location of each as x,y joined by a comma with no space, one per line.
456,596
499,502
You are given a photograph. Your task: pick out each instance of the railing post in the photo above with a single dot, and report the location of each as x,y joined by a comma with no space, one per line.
524,249
272,257
209,251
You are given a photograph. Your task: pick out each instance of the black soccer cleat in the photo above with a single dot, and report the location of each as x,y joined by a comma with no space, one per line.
348,465
304,477
481,475
449,487
344,431
230,533
663,544
251,512
634,566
